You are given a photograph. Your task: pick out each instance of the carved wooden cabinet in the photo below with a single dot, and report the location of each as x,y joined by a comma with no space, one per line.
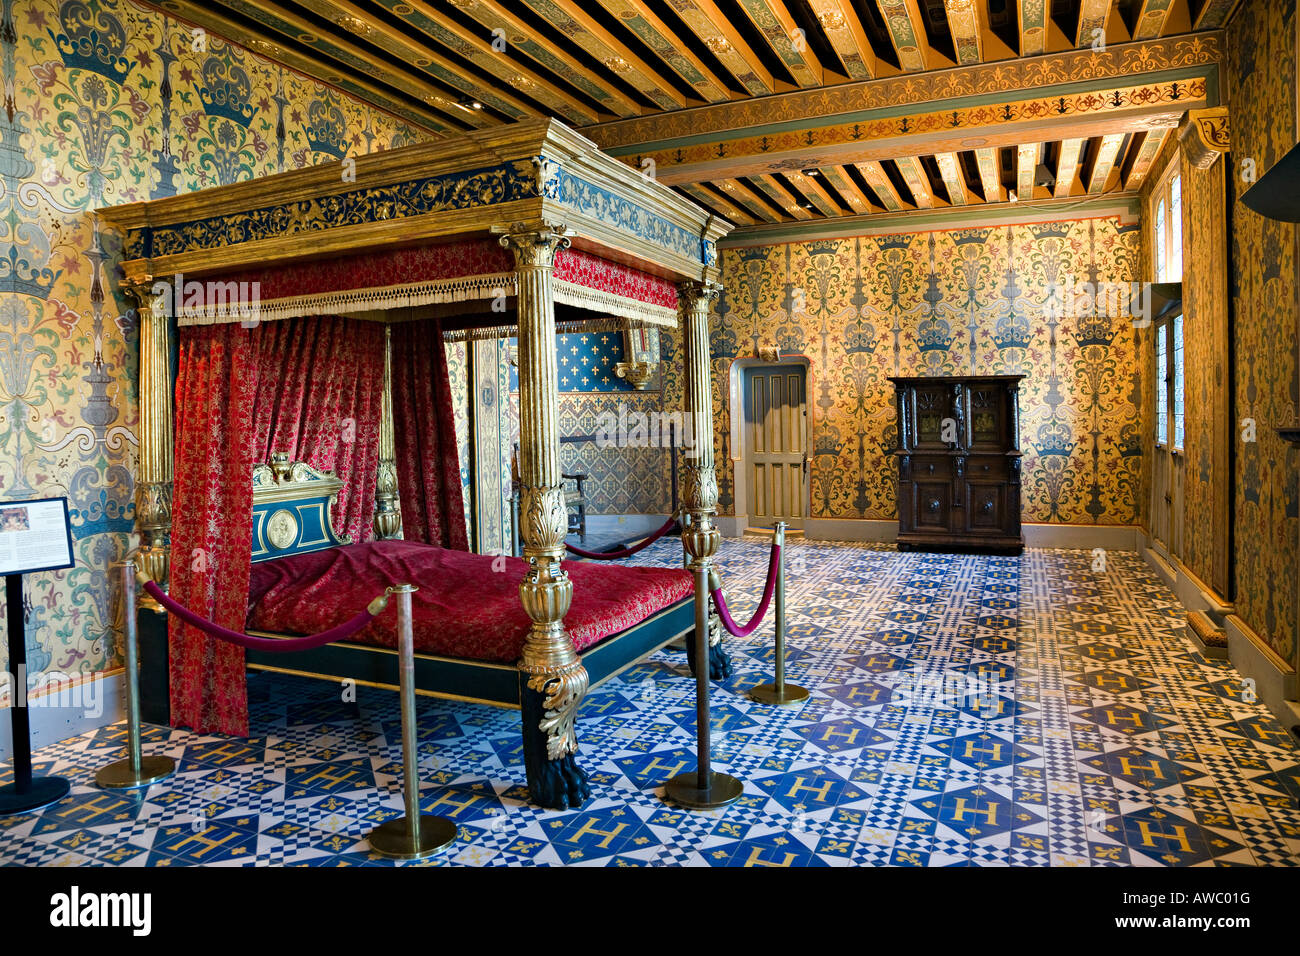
959,463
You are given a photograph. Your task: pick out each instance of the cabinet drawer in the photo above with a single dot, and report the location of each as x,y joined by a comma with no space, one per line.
986,468
937,468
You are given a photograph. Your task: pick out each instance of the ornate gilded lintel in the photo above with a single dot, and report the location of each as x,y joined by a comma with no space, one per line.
1205,135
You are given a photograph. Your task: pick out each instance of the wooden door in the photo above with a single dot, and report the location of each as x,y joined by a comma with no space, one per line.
776,444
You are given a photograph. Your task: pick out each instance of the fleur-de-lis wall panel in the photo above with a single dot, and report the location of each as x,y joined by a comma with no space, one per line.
108,102
987,300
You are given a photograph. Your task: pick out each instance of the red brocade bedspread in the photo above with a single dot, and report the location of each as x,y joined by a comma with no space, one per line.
463,609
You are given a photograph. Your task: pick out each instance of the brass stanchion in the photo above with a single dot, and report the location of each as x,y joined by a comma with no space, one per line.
416,835
703,789
779,692
137,770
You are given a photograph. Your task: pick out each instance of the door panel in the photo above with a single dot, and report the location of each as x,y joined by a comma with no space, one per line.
776,443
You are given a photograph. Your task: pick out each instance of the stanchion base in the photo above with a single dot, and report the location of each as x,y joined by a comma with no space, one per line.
393,841
118,776
42,792
684,790
771,694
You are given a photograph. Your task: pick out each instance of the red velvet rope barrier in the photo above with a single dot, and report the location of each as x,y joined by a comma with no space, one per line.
271,644
769,589
624,552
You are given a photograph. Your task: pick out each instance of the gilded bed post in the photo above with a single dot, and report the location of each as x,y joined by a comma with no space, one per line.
552,678
699,478
388,503
153,494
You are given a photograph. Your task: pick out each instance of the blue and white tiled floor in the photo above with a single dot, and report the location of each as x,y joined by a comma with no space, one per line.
965,710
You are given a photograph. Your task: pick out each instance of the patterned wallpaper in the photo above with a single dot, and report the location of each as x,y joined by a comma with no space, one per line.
976,300
109,102
1261,88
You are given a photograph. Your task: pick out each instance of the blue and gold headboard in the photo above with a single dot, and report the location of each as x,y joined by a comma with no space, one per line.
291,509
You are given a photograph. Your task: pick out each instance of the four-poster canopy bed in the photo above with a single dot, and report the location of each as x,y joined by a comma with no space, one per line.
458,234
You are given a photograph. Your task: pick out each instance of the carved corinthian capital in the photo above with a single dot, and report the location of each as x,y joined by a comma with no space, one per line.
534,243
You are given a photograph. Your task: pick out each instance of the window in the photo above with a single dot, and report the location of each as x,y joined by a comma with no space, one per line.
1167,227
1162,387
1176,382
1167,255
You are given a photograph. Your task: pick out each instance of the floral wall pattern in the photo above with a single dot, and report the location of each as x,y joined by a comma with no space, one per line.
1262,90
109,102
976,300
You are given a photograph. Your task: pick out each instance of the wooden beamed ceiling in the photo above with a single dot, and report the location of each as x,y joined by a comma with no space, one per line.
901,104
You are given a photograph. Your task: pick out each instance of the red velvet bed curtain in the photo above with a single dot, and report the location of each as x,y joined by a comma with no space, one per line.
319,390
428,468
212,523
312,387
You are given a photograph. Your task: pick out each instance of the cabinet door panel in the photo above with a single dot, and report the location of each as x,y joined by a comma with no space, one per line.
985,505
930,505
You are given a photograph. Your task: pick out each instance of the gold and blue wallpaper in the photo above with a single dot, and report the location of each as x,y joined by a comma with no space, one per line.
106,102
1261,72
977,300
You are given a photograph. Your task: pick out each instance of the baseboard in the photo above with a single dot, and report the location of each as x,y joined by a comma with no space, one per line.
850,529
55,714
1084,537
1275,679
731,526
1110,537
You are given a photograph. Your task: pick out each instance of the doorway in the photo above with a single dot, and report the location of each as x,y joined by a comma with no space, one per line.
775,437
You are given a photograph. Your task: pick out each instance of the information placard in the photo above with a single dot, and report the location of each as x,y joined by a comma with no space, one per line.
35,536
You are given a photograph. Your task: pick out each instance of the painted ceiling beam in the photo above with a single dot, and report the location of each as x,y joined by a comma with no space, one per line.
858,201
1105,163
786,39
707,161
746,199
715,31
477,51
964,25
432,116
907,33
1093,15
1067,167
990,178
1033,27
430,63
1147,153
725,208
520,37
791,203
1151,19
917,181
1215,14
813,191
1026,168
842,26
570,18
654,33
953,180
1094,75
878,180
